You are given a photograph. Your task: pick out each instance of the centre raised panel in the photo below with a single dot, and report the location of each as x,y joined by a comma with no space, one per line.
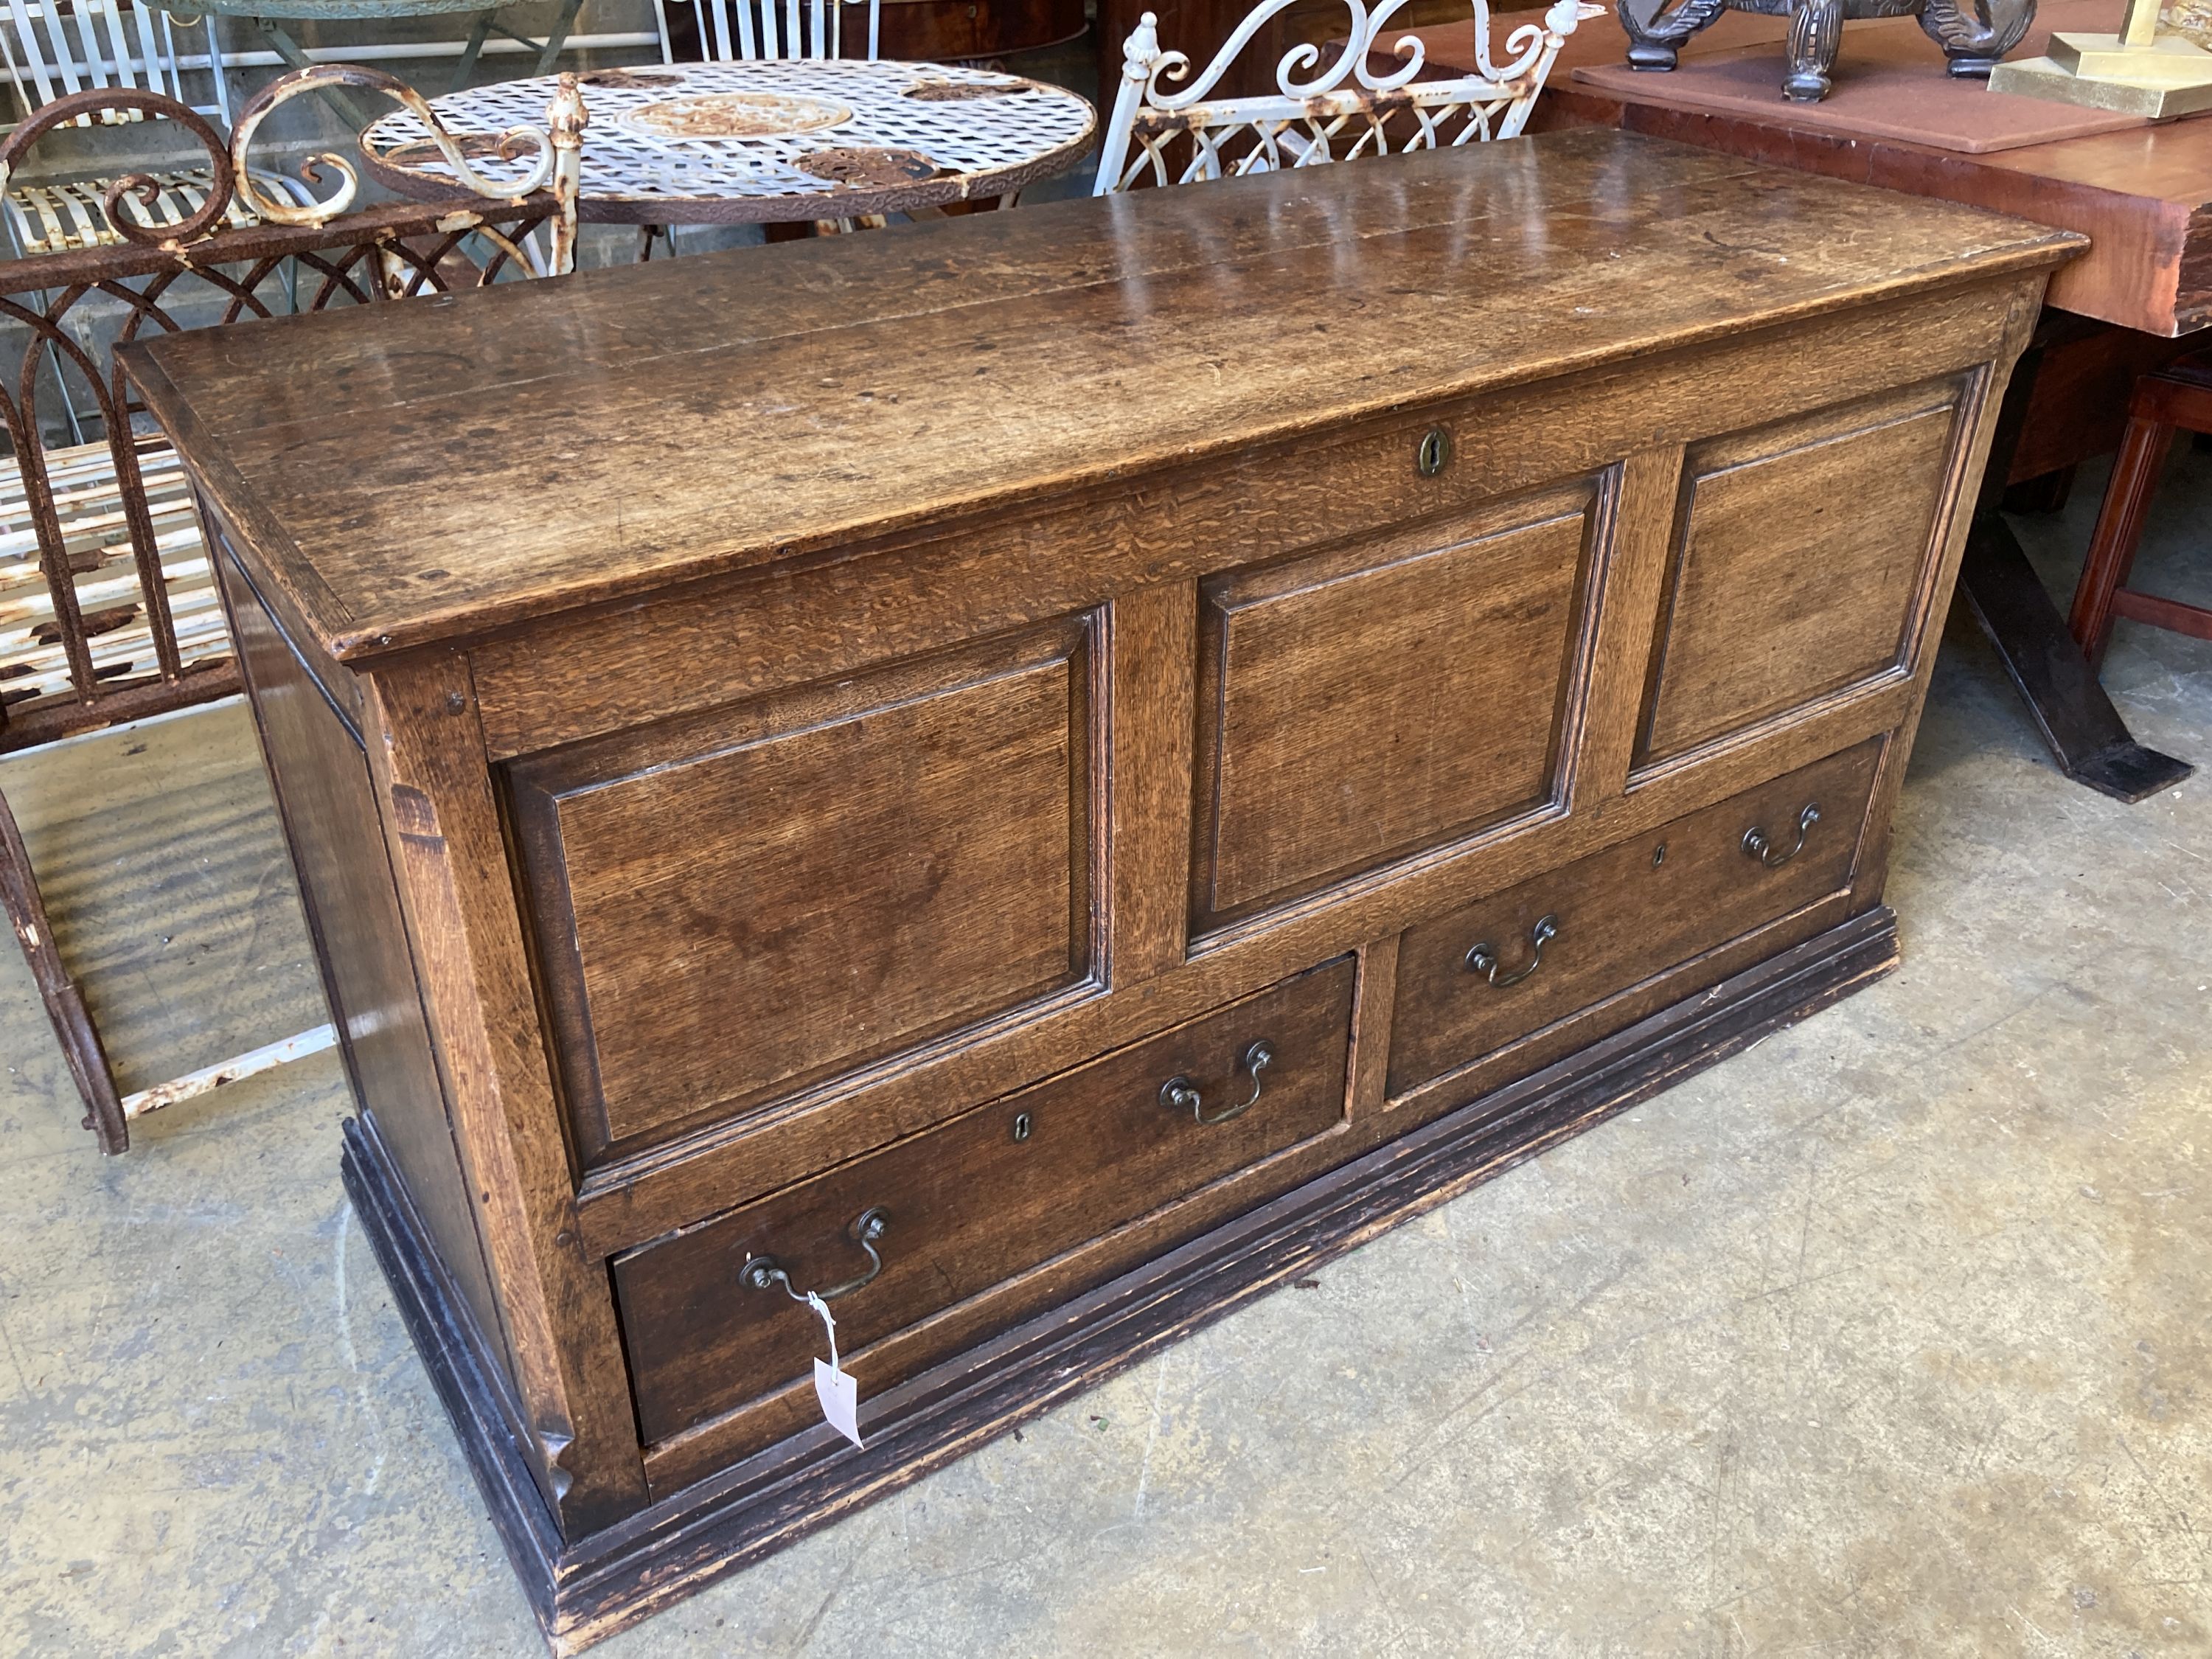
1361,704
734,905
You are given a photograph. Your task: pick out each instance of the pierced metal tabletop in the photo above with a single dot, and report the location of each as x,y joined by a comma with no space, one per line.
777,139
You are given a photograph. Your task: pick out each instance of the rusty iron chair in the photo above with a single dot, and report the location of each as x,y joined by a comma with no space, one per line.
1163,132
2167,402
108,607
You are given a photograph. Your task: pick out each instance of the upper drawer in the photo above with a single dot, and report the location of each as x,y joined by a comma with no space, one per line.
979,1199
1473,981
730,906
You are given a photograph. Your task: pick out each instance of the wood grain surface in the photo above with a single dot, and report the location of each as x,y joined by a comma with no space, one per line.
973,1204
1687,885
2143,196
850,724
733,907
1798,562
1313,764
488,458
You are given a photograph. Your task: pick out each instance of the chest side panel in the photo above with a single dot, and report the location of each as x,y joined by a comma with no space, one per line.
319,773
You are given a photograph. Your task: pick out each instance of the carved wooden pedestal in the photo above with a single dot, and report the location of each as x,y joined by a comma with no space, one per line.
1042,772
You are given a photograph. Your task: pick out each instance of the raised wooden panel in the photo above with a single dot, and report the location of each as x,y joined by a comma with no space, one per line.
1362,703
1798,562
732,906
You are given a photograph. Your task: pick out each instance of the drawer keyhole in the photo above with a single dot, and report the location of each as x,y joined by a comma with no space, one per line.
1435,453
1022,1125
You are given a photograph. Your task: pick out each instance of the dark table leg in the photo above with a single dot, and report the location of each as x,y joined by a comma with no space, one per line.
2085,732
487,24
351,111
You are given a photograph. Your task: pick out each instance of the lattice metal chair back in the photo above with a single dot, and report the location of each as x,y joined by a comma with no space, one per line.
54,49
1162,132
108,608
734,30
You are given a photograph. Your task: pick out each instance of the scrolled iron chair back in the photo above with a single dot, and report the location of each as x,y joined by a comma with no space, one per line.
555,155
1163,131
107,609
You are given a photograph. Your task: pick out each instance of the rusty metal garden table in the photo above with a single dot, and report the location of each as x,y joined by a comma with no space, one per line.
767,140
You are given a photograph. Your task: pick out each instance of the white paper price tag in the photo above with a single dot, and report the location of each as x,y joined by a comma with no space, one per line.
839,1394
840,1400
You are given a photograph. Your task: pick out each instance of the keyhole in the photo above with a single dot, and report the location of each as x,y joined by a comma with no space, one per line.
1434,452
1659,855
1022,1125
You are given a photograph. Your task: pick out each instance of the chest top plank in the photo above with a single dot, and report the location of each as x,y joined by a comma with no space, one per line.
441,467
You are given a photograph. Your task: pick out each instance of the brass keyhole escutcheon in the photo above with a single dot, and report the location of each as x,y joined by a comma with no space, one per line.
1435,453
1022,1125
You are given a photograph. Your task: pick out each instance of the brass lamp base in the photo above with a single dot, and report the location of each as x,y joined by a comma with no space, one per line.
2162,78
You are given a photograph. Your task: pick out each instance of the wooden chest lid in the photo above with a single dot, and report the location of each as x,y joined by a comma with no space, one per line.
422,472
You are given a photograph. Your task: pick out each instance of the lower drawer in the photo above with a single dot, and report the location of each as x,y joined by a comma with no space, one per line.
897,1235
1471,982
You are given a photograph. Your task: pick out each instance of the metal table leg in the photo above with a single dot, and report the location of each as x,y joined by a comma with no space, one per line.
487,24
350,110
2086,735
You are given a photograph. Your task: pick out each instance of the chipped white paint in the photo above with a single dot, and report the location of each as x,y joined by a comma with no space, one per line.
1346,111
96,540
208,1078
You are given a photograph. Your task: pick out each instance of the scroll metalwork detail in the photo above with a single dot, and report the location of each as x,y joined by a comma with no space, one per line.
543,150
115,613
103,105
1167,128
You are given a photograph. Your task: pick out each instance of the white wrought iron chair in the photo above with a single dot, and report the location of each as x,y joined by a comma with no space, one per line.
1346,111
731,31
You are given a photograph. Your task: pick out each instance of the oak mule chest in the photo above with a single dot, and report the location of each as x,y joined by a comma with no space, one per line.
1043,772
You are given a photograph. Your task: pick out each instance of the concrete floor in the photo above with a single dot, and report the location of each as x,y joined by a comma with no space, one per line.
1889,1336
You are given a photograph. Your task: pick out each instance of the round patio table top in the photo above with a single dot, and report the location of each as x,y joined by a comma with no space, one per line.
760,139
